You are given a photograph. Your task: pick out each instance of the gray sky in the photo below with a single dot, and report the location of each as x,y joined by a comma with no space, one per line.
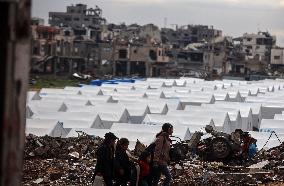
234,17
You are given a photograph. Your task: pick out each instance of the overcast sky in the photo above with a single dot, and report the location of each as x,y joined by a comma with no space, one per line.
234,17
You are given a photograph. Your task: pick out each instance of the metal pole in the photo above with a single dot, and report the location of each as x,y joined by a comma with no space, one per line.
15,58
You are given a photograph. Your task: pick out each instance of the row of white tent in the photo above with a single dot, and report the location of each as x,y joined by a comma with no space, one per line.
138,110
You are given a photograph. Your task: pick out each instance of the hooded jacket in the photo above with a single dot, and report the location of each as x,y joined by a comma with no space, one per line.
162,149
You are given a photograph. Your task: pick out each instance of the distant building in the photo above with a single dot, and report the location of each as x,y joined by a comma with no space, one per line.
78,16
258,46
37,21
185,35
277,56
139,60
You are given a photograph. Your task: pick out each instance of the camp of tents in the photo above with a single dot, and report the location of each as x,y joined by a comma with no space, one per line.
137,110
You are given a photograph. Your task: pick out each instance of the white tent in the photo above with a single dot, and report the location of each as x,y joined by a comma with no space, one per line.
157,106
197,100
33,95
42,127
80,123
154,94
173,104
234,114
180,120
179,131
101,99
38,106
93,120
255,108
144,137
268,125
91,92
279,117
221,96
179,83
245,113
52,91
108,112
221,119
75,132
136,113
121,96
262,138
235,96
269,109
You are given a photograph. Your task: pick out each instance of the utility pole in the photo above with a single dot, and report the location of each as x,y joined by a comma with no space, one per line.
15,56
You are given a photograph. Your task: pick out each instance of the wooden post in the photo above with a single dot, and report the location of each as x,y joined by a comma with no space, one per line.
15,58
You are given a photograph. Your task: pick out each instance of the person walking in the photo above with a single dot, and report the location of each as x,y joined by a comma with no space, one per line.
105,159
162,155
122,163
144,164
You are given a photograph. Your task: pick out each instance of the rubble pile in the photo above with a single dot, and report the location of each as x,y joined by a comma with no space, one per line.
70,161
59,161
266,168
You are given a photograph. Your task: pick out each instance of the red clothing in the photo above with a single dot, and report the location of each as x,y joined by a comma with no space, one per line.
144,169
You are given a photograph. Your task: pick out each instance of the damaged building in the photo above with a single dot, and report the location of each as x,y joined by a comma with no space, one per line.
205,57
252,52
134,59
70,44
185,35
277,59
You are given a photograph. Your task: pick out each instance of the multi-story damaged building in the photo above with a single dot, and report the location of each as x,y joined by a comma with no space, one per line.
252,52
70,44
185,35
81,19
131,59
77,16
206,57
79,40
277,57
134,50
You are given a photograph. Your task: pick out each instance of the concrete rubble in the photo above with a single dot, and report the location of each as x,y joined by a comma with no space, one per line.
70,161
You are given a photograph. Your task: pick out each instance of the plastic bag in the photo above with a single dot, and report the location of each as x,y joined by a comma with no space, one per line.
99,181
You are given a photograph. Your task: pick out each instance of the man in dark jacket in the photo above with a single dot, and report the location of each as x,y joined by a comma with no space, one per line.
122,163
105,159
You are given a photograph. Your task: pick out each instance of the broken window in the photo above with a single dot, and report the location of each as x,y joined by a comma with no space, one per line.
67,19
194,39
153,55
249,39
122,54
194,31
67,33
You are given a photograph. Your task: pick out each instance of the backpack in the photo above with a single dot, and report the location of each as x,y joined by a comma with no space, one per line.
151,149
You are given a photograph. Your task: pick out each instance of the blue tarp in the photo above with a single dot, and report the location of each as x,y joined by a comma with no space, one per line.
99,82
